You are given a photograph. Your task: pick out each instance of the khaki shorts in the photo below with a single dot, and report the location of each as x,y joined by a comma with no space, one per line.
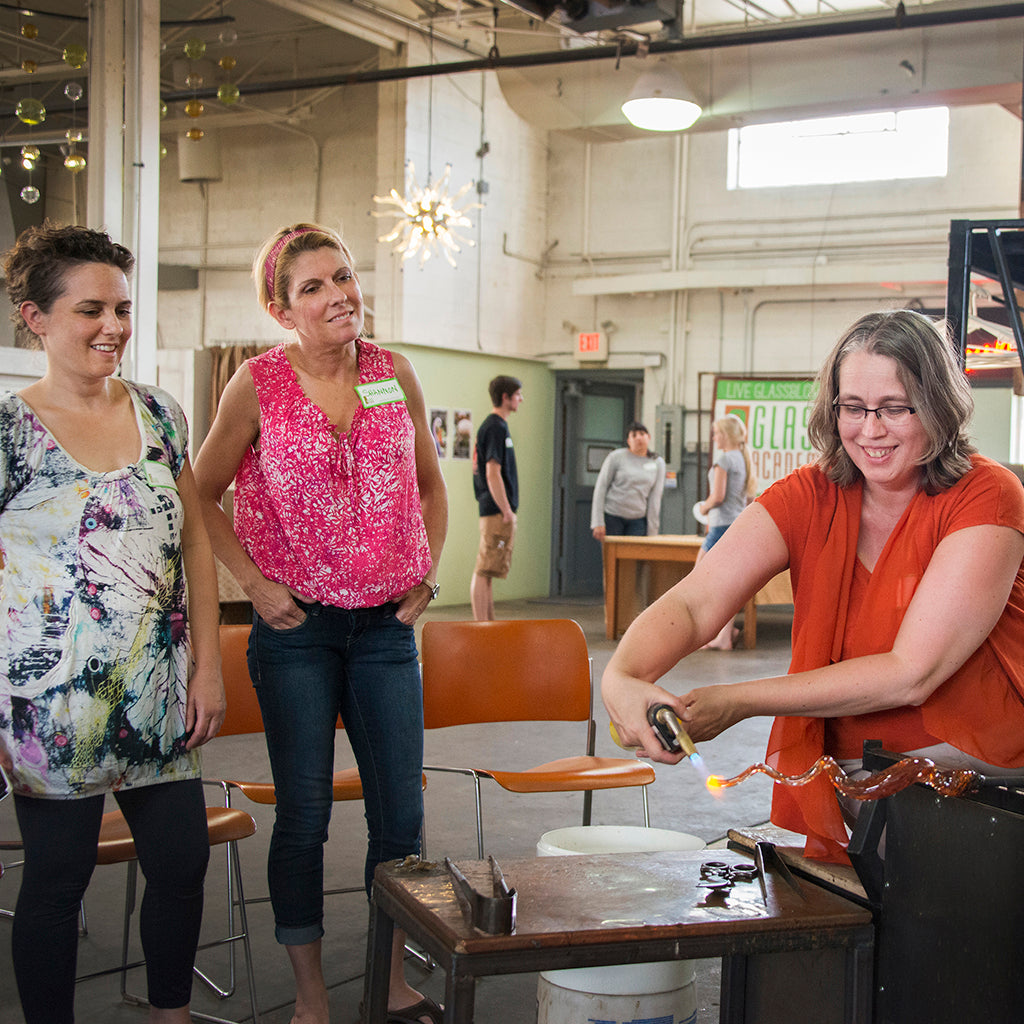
494,559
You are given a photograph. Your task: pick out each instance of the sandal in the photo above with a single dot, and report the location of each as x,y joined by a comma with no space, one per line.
426,1007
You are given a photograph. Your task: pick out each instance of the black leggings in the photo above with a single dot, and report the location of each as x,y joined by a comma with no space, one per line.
168,823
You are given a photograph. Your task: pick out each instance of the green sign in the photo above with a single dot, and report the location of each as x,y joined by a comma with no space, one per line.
775,412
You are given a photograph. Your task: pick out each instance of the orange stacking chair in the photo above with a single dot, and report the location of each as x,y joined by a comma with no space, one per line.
528,670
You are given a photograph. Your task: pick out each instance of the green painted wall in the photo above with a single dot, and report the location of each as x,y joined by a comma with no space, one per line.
458,380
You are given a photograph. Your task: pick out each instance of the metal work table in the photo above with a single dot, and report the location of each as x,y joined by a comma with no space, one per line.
597,910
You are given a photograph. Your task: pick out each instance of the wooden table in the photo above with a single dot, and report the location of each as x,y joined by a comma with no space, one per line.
597,910
671,557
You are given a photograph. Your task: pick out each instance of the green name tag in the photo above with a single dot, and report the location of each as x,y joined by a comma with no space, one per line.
380,392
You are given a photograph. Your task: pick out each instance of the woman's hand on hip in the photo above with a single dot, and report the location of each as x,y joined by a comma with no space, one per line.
275,604
412,603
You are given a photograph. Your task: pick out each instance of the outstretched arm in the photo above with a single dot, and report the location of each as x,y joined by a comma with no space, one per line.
750,553
936,637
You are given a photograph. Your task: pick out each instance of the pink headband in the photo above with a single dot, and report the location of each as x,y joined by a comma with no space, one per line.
270,264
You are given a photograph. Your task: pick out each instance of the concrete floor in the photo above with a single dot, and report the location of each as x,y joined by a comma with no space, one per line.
513,825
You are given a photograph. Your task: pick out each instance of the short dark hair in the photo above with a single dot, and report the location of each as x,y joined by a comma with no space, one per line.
636,427
501,386
936,388
36,266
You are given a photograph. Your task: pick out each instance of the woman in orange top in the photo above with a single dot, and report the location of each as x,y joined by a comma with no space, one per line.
898,515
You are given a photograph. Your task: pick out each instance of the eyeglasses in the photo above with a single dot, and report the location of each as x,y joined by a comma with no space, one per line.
858,413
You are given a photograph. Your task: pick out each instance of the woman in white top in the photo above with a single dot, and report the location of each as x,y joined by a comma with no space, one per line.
732,484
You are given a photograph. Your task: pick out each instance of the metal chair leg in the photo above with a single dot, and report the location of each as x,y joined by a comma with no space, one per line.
224,993
479,819
234,886
243,937
130,889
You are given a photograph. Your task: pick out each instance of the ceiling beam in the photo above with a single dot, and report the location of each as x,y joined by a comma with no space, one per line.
817,29
372,28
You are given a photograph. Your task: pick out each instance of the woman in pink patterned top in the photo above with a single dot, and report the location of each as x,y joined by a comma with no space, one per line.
340,514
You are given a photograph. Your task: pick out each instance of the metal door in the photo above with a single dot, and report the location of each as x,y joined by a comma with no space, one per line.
590,421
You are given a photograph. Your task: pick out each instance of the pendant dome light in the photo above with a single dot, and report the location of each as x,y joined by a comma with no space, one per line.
661,101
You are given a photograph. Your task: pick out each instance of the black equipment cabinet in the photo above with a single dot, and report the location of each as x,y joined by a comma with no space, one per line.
995,250
949,901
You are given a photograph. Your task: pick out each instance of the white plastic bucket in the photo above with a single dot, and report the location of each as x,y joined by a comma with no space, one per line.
556,1005
664,991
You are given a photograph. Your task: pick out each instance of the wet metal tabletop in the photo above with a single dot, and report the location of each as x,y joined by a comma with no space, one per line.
596,910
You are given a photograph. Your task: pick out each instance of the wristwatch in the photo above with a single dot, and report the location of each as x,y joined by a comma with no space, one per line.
434,588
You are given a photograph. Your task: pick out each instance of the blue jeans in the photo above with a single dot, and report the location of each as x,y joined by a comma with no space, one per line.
361,664
715,534
616,526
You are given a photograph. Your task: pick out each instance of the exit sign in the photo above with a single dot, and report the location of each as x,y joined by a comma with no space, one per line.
592,346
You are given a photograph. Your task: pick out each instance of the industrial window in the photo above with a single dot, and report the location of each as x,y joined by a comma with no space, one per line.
828,150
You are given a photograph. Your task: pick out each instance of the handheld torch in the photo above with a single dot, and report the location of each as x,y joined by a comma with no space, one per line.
665,722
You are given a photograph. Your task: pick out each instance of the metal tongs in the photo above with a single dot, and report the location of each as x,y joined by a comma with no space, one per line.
493,912
766,856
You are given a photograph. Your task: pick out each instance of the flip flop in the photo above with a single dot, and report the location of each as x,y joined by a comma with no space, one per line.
426,1007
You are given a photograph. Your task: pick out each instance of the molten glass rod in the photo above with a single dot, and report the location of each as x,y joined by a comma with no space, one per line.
947,781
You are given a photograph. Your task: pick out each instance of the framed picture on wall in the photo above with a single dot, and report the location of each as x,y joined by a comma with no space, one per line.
462,435
439,431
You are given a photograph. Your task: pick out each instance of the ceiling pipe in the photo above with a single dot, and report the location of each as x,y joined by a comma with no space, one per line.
900,19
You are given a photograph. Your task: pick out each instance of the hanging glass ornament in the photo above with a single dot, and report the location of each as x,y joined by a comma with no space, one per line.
74,162
30,194
73,91
194,48
228,37
163,110
73,135
193,80
227,63
30,67
194,108
194,134
30,110
29,153
29,30
228,93
163,150
74,55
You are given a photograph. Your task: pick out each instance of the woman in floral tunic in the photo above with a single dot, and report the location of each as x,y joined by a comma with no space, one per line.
108,601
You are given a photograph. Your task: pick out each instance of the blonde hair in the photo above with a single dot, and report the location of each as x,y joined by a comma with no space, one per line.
736,431
273,265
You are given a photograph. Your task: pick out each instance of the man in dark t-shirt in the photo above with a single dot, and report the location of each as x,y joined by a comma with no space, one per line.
496,485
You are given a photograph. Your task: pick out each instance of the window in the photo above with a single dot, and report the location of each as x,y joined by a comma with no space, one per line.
854,147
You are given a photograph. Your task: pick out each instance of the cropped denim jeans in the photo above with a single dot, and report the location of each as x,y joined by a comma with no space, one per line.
362,665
